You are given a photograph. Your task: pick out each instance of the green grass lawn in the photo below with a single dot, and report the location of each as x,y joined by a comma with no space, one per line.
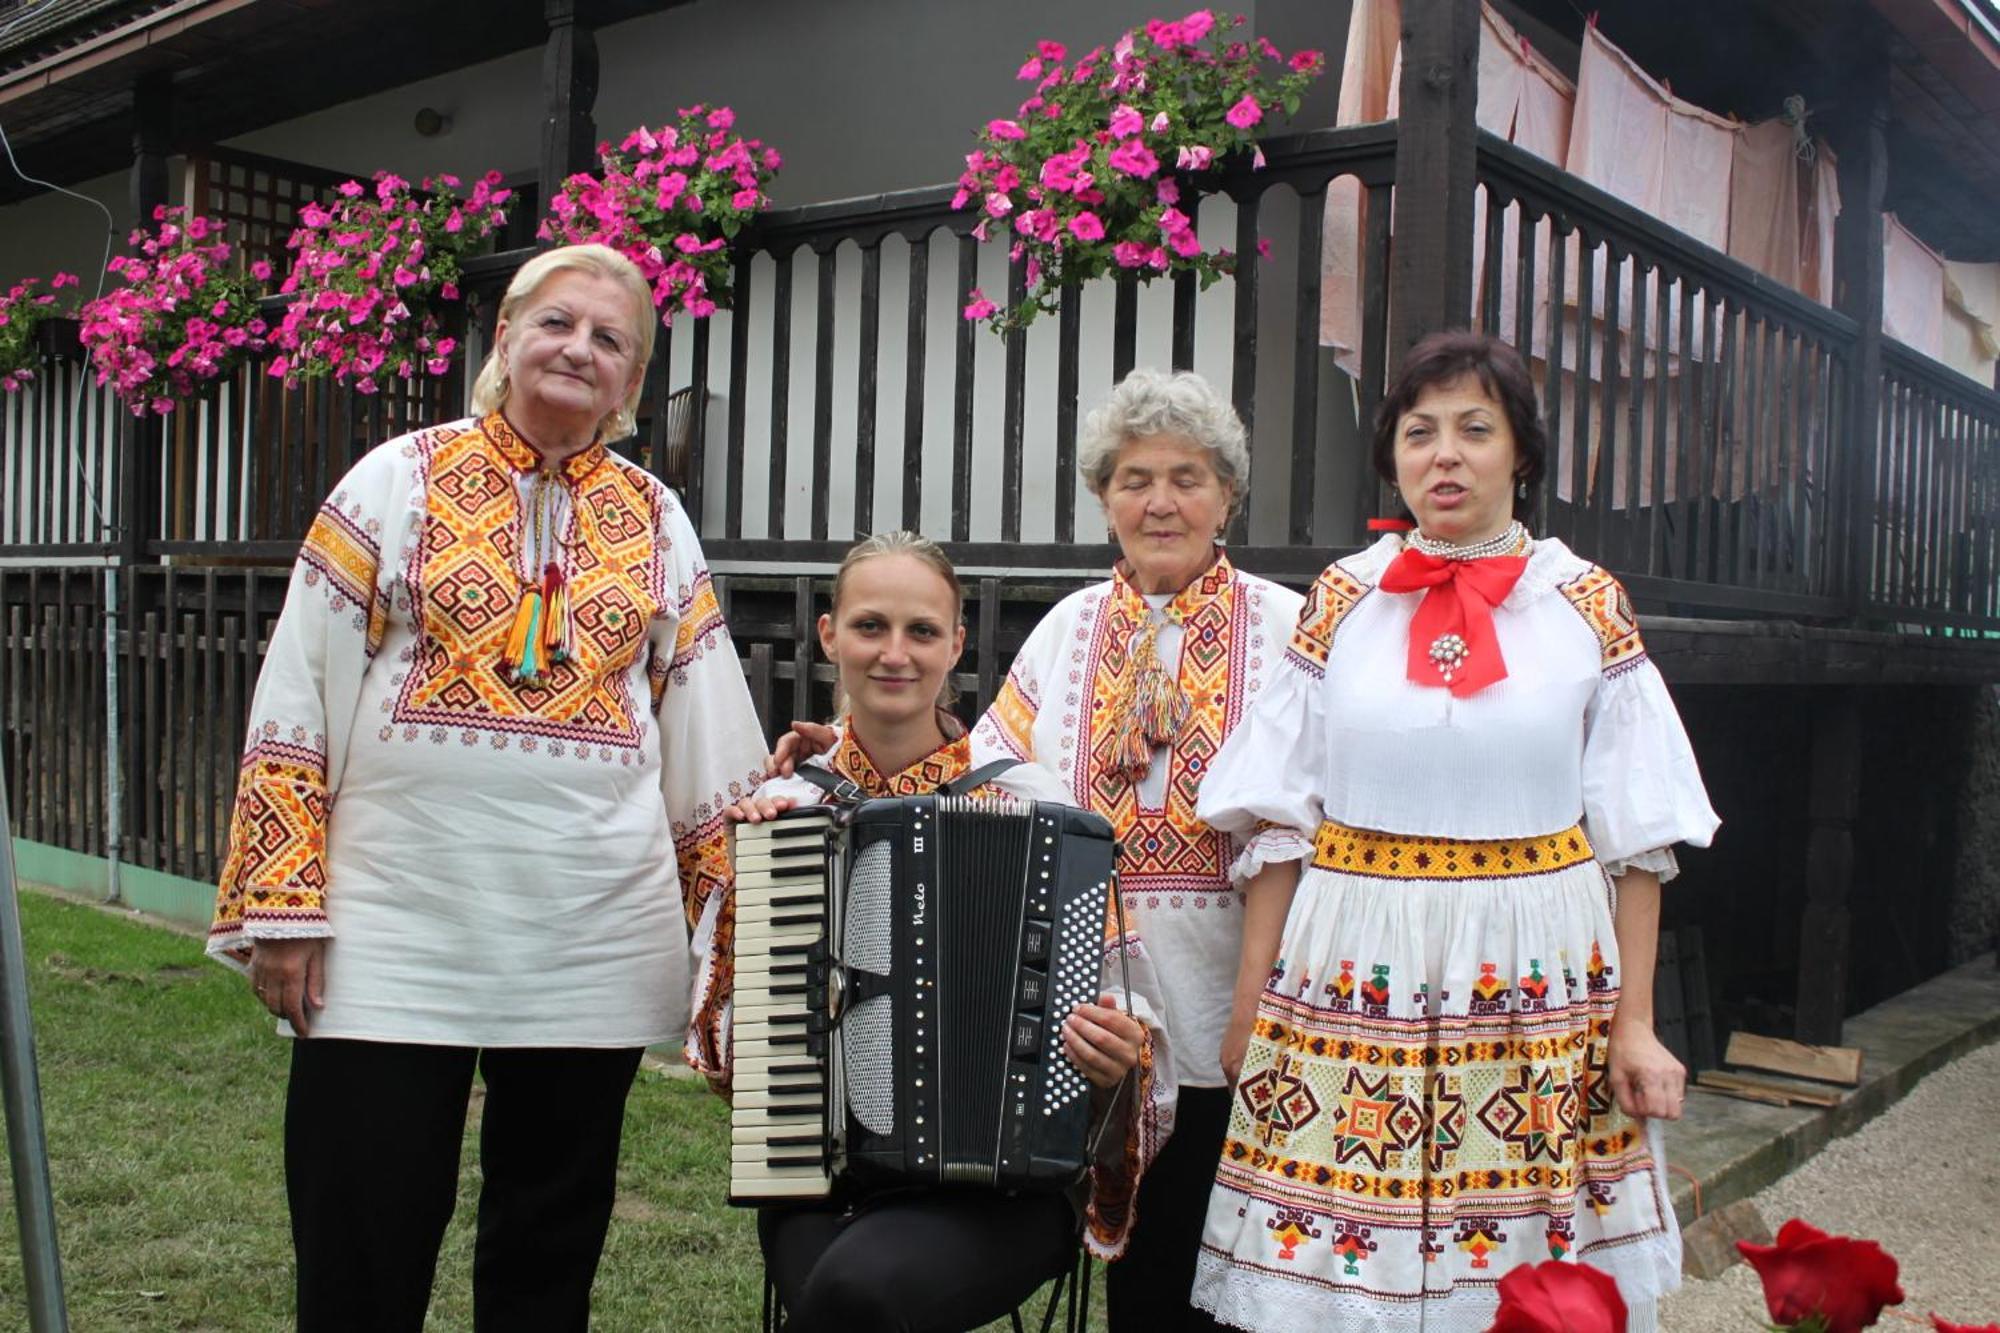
163,1087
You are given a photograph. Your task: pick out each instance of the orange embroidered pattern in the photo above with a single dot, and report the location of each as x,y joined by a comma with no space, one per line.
1014,711
465,587
951,760
1396,856
1600,599
276,872
1169,846
1334,593
346,557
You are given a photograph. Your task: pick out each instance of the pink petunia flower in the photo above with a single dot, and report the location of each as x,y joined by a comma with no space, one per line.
1030,70
979,307
1194,157
1125,122
1197,25
1005,130
1133,158
1245,113
1087,227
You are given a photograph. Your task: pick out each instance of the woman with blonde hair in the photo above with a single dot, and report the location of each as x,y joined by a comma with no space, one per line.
930,1261
479,809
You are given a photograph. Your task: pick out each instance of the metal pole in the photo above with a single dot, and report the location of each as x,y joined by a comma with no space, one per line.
114,749
27,1145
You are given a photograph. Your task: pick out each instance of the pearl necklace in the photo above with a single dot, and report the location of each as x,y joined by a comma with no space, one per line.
1510,542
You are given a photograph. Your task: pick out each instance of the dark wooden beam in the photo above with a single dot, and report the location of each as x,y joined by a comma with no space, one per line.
1832,802
1862,142
152,143
569,94
139,438
1430,253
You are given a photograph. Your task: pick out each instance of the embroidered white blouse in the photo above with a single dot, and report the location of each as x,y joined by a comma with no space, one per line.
1581,730
497,864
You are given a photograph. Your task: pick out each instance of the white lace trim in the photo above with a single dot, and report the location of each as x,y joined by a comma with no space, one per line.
1660,860
1272,1305
1271,846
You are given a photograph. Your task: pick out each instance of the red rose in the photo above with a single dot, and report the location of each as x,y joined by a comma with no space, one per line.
1844,1281
1946,1326
1558,1297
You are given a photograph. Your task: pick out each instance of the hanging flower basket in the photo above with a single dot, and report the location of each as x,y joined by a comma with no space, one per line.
1100,170
27,319
670,200
371,274
184,319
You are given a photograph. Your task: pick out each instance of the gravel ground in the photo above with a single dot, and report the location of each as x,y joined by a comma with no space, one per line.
1923,1178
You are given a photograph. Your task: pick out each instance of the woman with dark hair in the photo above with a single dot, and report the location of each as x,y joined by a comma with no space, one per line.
1465,786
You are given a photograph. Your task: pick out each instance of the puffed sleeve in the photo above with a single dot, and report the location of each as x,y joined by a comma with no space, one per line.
711,755
274,878
1642,790
1265,783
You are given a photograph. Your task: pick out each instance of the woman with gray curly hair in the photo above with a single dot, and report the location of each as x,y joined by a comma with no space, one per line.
1126,690
480,813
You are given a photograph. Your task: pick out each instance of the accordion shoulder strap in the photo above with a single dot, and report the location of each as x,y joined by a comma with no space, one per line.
842,790
977,778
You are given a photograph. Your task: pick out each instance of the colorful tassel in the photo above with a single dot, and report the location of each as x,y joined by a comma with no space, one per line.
525,654
1152,711
556,634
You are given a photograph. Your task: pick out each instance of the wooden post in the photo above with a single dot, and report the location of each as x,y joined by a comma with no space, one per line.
1430,248
152,141
1832,802
1858,276
569,92
141,438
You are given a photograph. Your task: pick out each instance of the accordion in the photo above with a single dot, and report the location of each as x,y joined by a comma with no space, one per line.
902,972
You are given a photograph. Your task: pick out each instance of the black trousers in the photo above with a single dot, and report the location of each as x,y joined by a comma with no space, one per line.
1147,1290
372,1132
925,1261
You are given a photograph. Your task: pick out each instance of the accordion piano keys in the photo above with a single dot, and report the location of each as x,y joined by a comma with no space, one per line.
777,1135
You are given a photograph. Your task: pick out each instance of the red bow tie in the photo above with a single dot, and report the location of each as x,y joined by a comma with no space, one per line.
1452,643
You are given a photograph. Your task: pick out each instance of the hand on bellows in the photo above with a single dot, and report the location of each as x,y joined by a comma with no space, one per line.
287,976
1102,1040
801,743
1645,1077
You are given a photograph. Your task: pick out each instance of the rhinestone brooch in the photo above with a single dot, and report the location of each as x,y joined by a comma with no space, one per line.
1448,652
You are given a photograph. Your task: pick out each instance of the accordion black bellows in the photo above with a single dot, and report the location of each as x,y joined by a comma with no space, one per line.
903,972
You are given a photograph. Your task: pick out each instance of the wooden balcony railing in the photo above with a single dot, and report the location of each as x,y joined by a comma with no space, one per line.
1698,411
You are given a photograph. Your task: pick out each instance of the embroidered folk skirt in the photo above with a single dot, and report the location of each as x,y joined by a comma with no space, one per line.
1425,1103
